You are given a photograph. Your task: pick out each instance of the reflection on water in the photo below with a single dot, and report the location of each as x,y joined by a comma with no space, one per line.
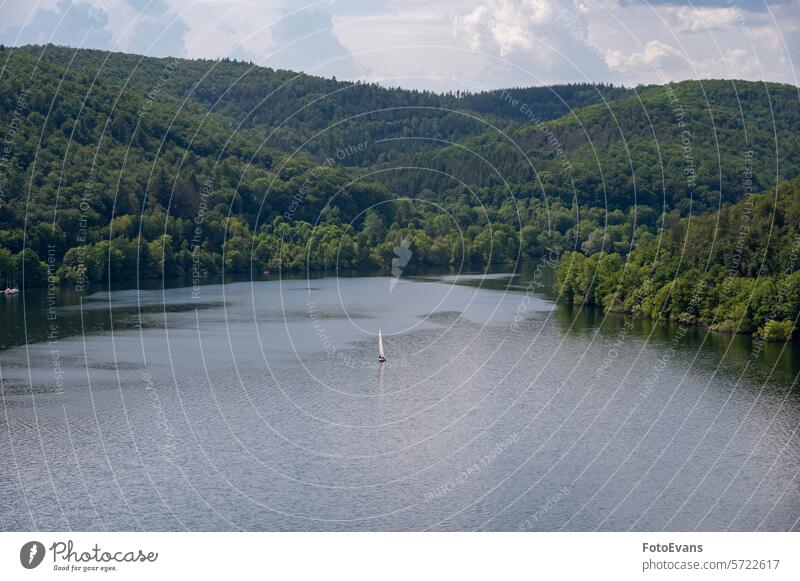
261,406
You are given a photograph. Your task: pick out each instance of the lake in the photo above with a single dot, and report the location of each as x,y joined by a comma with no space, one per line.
261,406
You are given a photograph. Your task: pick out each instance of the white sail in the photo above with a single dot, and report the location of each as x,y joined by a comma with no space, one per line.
380,345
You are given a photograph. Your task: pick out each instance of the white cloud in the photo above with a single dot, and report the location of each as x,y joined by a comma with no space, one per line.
735,64
68,23
158,35
301,40
428,43
506,25
655,53
691,19
16,13
658,43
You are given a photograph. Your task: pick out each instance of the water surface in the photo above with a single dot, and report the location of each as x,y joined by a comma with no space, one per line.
261,406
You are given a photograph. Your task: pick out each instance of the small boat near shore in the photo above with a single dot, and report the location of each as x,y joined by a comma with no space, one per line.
381,357
11,291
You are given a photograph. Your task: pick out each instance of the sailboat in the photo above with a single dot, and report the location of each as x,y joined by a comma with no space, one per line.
11,290
381,358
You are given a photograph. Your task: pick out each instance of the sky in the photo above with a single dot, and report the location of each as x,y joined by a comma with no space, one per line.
466,45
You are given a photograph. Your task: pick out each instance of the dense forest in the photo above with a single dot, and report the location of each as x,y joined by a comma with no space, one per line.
120,166
736,270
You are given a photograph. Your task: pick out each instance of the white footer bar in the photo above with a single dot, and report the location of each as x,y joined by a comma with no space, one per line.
406,556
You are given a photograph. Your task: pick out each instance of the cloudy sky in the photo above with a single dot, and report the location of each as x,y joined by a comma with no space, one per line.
470,44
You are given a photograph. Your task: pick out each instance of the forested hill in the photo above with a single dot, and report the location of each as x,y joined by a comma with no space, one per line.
120,165
690,145
736,270
295,109
256,95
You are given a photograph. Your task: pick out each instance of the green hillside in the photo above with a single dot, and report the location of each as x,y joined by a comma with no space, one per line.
736,270
686,145
118,165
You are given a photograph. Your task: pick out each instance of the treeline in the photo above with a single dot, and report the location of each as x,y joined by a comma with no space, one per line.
736,270
280,246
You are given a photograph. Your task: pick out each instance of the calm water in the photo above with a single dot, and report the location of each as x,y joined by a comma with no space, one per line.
260,406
